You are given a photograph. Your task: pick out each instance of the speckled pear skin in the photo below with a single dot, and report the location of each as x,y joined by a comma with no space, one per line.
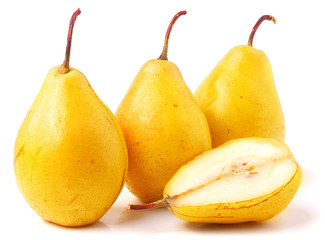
239,98
70,157
163,127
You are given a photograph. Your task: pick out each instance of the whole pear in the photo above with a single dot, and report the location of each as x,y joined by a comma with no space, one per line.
70,155
239,98
162,124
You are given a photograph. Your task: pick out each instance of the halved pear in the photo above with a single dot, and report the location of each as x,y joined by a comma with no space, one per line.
247,179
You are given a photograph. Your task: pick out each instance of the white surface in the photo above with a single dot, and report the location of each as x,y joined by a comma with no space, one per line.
111,41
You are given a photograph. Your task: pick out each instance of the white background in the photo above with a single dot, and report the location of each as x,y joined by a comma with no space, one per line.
111,42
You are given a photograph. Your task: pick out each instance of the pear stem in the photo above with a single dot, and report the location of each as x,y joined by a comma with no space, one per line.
258,23
157,204
65,68
163,55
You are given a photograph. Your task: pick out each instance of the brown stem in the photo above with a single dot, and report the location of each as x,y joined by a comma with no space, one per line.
163,55
157,204
65,68
258,23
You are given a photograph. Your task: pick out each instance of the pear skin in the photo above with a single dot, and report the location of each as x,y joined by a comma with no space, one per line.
70,157
239,98
163,127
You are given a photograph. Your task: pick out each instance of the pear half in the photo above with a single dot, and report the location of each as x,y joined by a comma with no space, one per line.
248,179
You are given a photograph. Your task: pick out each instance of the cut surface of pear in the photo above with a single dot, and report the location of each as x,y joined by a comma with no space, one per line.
248,179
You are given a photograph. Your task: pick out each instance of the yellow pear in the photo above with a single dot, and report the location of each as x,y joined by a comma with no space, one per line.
162,124
247,179
70,155
239,97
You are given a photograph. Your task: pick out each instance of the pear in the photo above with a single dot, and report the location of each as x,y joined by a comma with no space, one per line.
70,155
162,124
247,179
239,98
